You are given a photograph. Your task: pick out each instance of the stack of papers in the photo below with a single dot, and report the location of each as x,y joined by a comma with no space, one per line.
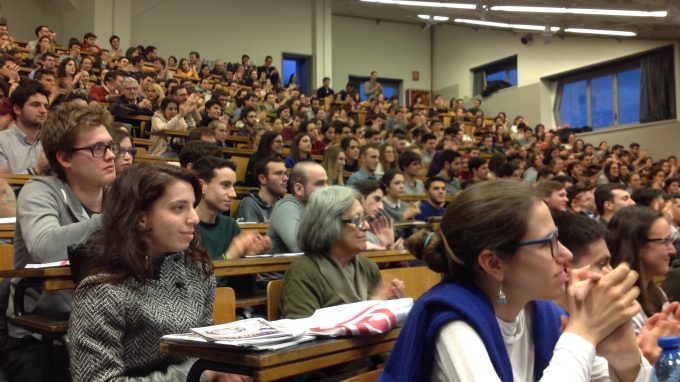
253,333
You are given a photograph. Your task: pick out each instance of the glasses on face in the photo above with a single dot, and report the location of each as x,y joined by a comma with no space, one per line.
128,150
99,150
662,240
358,221
552,239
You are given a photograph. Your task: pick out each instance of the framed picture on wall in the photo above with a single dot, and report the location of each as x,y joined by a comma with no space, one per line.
416,97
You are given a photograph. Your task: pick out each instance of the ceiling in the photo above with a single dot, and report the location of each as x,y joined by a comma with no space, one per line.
645,27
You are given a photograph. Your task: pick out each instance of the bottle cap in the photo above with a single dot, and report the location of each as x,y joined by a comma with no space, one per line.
669,342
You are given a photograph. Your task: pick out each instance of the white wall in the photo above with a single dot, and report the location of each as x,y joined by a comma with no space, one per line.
458,49
224,29
79,21
24,15
393,49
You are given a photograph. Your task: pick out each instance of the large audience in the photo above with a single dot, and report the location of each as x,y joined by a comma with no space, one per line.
516,214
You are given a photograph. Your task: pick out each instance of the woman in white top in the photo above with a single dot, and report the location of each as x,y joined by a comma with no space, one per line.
641,236
169,117
489,319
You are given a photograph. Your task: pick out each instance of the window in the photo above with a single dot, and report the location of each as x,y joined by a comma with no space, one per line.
604,99
629,96
611,94
504,70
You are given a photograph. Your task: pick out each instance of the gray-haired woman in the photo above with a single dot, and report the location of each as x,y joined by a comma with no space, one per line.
332,233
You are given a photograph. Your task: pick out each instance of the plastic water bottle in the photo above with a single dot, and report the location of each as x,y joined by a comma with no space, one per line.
667,367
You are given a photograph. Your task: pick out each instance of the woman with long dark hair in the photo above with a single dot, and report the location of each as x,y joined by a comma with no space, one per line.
271,144
300,150
146,276
641,237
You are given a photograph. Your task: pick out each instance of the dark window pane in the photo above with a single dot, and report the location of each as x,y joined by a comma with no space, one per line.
495,76
289,67
573,107
629,96
513,76
602,101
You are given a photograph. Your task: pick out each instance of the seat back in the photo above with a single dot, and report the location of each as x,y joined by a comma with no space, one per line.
6,257
417,280
273,298
241,167
224,309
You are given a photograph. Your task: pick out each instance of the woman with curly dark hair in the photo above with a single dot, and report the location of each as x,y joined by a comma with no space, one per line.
145,277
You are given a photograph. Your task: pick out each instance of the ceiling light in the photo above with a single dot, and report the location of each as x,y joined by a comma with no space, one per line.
601,32
441,18
554,29
424,17
431,4
579,11
504,25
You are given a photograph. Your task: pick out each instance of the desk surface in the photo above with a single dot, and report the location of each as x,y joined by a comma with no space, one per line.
273,365
60,278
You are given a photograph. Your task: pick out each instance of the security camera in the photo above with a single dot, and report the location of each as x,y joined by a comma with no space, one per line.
526,39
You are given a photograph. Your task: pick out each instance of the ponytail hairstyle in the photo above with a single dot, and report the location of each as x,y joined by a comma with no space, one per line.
489,215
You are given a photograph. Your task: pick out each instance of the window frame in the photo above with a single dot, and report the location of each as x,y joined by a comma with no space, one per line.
506,64
588,75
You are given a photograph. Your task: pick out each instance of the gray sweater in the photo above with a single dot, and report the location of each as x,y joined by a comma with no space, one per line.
49,219
115,329
284,223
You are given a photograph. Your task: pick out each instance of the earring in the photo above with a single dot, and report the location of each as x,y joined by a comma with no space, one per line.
500,297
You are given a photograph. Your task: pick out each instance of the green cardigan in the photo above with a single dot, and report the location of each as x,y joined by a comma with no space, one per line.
307,288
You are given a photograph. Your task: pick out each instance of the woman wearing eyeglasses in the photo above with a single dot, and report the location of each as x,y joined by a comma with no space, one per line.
332,233
641,237
492,318
126,153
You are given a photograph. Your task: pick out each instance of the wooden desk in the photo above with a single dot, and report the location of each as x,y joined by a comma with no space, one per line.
60,278
274,365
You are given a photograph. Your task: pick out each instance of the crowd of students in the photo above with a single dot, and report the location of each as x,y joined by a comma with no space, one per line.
527,215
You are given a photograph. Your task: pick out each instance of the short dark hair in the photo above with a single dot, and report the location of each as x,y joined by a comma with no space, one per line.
428,136
88,35
113,37
604,193
39,27
476,162
449,156
24,91
363,149
577,231
205,167
40,73
195,150
161,60
645,196
367,186
111,76
432,179
408,157
345,142
260,167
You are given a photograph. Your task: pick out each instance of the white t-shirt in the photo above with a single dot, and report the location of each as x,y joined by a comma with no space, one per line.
460,355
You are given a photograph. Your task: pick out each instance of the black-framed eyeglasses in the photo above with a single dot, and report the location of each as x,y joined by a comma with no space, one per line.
552,239
358,221
129,150
99,150
662,240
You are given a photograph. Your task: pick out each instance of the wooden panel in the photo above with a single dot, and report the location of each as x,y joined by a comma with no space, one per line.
6,257
369,376
417,280
241,167
274,289
224,309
